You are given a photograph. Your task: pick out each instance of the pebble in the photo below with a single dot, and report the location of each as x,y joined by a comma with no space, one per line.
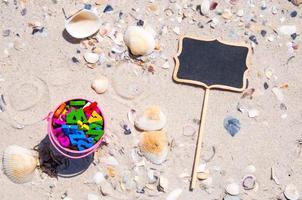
232,125
91,57
253,39
6,33
291,192
232,189
293,14
87,6
293,36
274,10
265,85
263,33
107,9
98,178
100,85
140,23
252,113
176,30
240,13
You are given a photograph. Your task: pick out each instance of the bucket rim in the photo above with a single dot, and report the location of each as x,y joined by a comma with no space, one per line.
57,144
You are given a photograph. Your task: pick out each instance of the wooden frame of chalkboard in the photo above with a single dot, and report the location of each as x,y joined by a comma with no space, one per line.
193,82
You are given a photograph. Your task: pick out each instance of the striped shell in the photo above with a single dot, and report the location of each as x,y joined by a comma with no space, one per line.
19,164
154,146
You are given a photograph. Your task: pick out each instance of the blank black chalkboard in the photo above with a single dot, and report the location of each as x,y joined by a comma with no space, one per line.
214,65
211,63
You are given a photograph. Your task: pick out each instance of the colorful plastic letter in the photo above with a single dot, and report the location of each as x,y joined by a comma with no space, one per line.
95,117
85,144
89,109
78,103
75,115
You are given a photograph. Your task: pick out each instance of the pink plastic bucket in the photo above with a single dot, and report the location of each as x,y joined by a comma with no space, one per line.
73,154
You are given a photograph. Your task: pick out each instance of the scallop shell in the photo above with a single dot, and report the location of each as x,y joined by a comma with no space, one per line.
232,189
154,146
19,164
83,24
152,119
100,85
139,41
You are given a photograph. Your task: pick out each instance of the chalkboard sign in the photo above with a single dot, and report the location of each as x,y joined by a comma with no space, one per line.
212,64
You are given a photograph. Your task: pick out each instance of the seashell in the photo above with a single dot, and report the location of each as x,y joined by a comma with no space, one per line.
249,182
291,192
232,189
278,93
287,29
250,169
175,194
227,14
110,160
205,7
91,57
19,164
151,177
152,119
139,41
98,178
154,146
162,184
100,85
296,2
253,112
240,13
274,176
83,24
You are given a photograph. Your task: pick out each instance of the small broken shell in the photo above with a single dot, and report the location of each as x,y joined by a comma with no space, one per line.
83,24
296,2
152,119
139,41
162,184
291,192
100,85
91,57
205,7
19,164
154,146
232,189
249,182
175,194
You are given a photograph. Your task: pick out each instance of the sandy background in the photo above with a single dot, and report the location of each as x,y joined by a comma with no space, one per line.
265,141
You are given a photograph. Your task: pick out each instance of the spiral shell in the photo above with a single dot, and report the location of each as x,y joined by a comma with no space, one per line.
19,164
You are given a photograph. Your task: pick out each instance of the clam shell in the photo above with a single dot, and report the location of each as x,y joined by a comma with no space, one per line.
205,7
154,146
232,189
152,119
83,24
139,41
100,85
19,164
291,192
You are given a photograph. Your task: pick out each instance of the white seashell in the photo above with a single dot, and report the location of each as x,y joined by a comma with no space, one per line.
240,13
252,113
205,7
174,195
83,24
91,57
100,85
278,93
19,164
151,178
176,30
250,169
165,65
249,182
232,189
291,192
110,160
274,176
163,184
92,196
131,115
287,29
98,178
152,119
139,41
154,146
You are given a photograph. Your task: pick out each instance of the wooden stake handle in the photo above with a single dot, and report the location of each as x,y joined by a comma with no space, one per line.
199,138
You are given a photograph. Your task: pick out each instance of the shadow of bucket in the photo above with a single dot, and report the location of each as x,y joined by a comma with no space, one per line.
73,154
